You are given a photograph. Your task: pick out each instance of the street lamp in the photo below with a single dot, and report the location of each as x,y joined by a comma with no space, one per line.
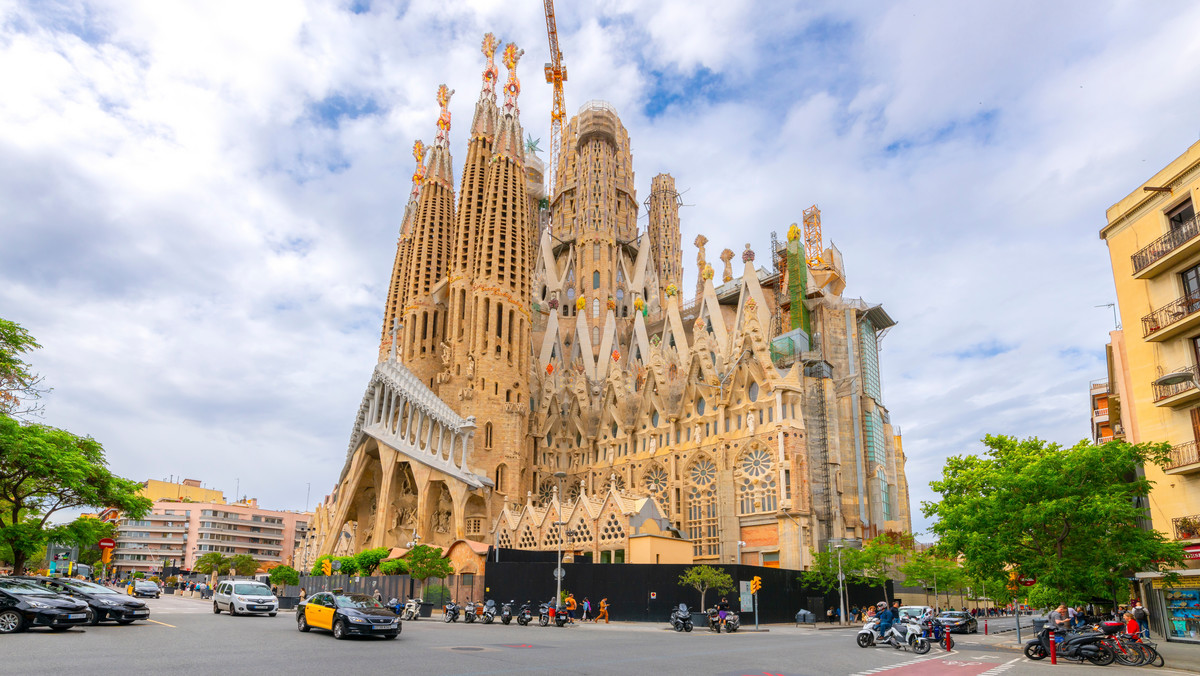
841,584
558,572
740,544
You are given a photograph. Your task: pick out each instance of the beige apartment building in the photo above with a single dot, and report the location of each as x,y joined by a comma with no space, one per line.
1153,389
177,532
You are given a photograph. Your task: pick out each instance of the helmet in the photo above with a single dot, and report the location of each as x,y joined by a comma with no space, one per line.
881,605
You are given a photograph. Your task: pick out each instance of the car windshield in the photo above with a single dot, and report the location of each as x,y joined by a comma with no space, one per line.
956,615
88,587
24,588
256,589
356,601
145,583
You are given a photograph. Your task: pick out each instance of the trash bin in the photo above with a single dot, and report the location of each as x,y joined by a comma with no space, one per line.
426,610
288,602
805,617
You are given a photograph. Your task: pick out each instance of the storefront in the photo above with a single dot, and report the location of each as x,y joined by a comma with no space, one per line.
1174,611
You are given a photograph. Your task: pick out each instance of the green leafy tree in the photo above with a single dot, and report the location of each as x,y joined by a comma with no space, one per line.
936,573
436,594
285,575
1066,516
393,567
369,559
139,575
244,564
872,565
704,578
349,565
44,470
212,562
20,388
425,562
316,569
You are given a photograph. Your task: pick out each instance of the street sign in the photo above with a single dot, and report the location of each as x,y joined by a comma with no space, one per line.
841,577
653,595
1028,581
559,573
106,543
337,565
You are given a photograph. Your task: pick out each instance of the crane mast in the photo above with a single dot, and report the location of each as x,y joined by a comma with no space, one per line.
556,74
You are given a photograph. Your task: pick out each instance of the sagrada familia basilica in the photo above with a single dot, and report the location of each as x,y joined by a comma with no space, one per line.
541,365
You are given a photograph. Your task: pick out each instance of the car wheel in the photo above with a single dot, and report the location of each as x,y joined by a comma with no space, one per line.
339,630
10,622
301,621
271,614
233,609
216,608
94,618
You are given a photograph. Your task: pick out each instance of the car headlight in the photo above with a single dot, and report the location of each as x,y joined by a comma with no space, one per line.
240,598
358,620
107,602
37,604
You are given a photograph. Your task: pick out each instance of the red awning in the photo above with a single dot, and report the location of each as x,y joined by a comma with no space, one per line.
1191,552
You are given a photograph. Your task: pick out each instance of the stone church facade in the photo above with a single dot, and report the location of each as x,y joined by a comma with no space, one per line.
540,342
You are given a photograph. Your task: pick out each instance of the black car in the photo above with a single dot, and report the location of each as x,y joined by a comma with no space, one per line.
958,621
346,615
24,604
105,603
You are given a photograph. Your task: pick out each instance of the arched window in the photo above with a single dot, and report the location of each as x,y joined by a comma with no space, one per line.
487,435
501,470
753,392
620,295
702,508
596,307
757,488
596,279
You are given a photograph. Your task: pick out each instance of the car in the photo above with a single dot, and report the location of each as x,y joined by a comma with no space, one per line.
25,604
347,615
104,603
958,621
145,588
915,612
244,596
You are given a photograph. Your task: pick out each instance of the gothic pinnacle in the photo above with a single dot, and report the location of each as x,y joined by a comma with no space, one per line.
511,56
491,73
443,136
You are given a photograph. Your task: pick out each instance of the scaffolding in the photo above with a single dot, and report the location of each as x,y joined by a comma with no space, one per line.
816,420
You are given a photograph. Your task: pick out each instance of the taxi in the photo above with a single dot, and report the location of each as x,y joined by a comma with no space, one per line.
346,615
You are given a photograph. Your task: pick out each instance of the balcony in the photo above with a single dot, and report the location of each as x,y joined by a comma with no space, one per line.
1100,415
1186,527
1100,387
1185,459
1172,319
1177,394
1160,254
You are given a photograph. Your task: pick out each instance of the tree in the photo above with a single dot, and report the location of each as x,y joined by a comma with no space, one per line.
425,562
349,565
369,559
285,575
19,387
1067,516
393,567
703,578
212,562
871,565
927,569
44,470
244,564
316,568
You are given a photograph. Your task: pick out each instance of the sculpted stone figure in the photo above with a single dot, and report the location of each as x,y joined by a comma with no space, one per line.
727,259
701,263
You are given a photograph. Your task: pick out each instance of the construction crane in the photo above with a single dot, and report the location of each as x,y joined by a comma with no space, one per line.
556,75
812,236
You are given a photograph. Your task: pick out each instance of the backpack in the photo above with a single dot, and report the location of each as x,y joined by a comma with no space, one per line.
1139,614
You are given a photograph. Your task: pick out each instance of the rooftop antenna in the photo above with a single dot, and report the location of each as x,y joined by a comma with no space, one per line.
1116,320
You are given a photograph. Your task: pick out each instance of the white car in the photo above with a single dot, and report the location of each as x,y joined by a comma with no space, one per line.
915,612
240,597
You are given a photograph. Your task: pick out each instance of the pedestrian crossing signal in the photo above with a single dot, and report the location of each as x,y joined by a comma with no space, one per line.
755,584
327,567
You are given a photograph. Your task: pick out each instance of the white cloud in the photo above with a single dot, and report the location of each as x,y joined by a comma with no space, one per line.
205,257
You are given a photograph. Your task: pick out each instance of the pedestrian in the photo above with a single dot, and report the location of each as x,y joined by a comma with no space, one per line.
1080,618
854,613
587,610
722,610
1058,619
829,615
603,610
871,613
571,606
1143,619
378,596
303,595
1071,617
1131,625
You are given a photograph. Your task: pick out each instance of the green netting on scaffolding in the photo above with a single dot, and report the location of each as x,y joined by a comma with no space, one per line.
782,348
798,288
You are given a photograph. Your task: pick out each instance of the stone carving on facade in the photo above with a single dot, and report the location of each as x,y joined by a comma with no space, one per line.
701,263
727,259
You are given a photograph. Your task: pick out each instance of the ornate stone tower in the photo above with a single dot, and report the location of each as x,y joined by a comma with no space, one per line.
398,286
663,209
595,207
423,322
498,346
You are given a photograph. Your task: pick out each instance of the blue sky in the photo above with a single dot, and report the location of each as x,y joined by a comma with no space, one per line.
199,203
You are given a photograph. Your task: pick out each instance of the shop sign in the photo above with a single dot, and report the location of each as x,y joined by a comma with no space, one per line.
1183,583
1192,552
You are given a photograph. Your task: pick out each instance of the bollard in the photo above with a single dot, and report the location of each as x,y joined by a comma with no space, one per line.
985,626
1053,652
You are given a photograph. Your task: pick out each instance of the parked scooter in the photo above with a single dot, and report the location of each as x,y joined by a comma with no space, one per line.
561,615
907,634
489,611
525,615
1075,646
412,610
506,614
469,612
395,606
731,624
451,614
544,614
681,618
933,630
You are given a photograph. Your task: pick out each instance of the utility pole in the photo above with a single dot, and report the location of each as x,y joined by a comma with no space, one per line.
558,572
841,586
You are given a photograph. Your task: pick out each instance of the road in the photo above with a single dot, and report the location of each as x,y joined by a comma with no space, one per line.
185,637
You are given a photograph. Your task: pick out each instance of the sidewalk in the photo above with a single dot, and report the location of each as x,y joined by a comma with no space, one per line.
1181,656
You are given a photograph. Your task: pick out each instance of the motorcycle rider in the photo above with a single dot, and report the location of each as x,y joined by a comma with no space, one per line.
886,618
723,610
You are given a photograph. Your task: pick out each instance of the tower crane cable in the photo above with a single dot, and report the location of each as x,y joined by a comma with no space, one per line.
556,75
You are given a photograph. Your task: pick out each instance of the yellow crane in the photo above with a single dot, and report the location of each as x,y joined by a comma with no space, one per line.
556,75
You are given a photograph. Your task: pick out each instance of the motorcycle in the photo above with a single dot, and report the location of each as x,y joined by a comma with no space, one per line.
907,634
681,619
561,616
394,605
732,621
1074,646
451,614
469,612
933,630
869,633
412,610
544,614
525,615
489,611
506,612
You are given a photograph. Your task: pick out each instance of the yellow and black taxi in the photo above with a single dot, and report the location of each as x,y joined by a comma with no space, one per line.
346,615
105,603
25,604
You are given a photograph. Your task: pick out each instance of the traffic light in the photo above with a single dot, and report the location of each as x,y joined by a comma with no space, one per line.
327,567
755,584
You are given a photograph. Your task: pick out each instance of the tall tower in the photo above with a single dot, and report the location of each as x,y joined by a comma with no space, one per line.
663,208
499,345
595,208
433,225
397,288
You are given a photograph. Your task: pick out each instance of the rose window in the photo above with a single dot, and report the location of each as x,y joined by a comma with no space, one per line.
703,472
656,479
756,463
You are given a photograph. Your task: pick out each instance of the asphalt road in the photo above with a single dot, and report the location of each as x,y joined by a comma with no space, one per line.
185,637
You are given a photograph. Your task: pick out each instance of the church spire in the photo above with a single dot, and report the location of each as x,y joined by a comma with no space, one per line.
396,289
509,142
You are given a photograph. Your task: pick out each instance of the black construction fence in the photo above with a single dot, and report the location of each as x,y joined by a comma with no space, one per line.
648,592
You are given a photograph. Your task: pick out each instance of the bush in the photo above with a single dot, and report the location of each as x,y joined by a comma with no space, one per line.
393,567
284,575
349,566
139,575
369,559
173,580
436,594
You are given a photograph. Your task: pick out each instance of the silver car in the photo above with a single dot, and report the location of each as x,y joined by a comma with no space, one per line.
240,597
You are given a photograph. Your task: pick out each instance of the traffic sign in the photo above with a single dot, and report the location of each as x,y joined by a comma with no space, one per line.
841,577
1028,581
106,543
653,595
559,573
337,565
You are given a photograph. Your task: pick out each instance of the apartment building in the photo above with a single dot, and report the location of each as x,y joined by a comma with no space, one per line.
1153,388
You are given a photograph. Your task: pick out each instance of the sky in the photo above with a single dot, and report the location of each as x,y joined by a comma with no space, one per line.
199,202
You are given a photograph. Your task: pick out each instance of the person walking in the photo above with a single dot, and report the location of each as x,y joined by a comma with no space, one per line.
603,611
303,595
571,606
587,610
1143,619
829,615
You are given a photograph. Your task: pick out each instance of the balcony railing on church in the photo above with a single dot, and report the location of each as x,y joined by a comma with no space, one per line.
1164,245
